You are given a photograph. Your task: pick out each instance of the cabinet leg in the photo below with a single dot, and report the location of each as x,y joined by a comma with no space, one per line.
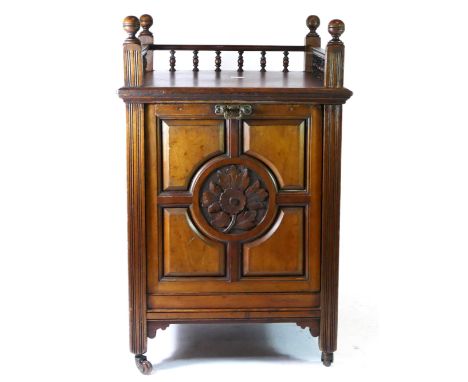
143,364
330,222
327,358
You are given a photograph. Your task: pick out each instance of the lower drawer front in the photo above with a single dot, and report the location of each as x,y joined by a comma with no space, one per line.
303,317
235,301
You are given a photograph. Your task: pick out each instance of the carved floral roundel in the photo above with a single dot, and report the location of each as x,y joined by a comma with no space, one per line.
234,199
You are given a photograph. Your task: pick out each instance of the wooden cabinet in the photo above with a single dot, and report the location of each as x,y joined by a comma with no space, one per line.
233,185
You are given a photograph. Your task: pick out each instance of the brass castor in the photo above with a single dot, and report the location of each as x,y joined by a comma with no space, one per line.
143,364
327,358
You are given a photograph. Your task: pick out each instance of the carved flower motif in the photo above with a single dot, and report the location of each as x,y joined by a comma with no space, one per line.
231,202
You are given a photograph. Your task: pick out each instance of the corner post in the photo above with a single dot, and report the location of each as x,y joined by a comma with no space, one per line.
133,74
146,38
133,61
334,61
312,40
334,56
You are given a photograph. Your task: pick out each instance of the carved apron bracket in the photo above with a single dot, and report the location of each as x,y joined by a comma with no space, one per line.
312,324
153,326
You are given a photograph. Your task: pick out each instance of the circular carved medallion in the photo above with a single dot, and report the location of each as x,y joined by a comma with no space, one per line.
234,199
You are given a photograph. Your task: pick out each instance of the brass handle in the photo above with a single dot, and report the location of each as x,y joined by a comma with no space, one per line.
233,111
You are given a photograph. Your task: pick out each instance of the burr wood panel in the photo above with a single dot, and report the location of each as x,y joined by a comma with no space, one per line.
281,145
186,252
281,251
186,144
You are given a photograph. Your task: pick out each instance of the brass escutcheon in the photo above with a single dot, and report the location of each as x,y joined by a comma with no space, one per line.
233,111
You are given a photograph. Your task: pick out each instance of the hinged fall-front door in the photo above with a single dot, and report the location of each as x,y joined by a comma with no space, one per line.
233,198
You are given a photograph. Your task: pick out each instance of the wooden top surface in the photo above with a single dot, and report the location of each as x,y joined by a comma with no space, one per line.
230,79
166,86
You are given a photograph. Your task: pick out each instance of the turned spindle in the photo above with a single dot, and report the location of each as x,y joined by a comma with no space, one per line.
218,61
133,61
172,61
285,61
146,38
334,56
240,61
312,40
263,61
195,61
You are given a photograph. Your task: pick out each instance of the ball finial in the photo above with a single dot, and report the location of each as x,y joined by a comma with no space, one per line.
336,28
146,21
313,22
131,24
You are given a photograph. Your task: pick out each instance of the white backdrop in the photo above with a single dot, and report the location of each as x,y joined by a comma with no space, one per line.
63,267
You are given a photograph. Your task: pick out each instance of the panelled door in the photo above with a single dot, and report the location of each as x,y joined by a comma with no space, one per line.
233,198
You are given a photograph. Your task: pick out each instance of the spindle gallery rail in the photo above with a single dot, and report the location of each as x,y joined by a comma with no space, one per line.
314,61
218,49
